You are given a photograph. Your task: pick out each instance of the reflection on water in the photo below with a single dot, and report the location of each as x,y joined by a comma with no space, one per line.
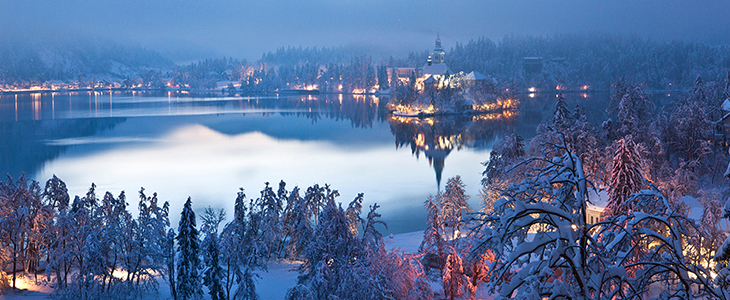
436,137
207,147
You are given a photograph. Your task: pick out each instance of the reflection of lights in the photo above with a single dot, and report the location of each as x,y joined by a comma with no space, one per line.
506,114
532,89
420,140
584,95
412,110
499,104
36,105
531,95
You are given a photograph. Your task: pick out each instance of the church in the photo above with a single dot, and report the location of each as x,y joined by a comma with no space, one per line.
435,65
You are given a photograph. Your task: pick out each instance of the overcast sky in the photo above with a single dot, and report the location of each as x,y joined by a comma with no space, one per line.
195,29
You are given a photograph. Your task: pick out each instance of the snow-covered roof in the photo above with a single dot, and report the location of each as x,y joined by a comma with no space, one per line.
726,105
429,79
436,69
474,75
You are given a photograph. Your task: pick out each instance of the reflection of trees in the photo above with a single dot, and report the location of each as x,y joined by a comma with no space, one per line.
361,111
436,137
24,144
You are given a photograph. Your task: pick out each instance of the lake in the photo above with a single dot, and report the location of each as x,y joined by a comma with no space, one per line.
207,147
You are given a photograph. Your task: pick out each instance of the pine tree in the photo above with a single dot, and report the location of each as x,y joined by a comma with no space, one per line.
188,279
270,208
626,176
213,273
433,245
169,252
453,280
453,204
503,156
561,115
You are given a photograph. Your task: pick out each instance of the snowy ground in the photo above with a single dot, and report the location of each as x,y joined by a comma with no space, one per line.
271,286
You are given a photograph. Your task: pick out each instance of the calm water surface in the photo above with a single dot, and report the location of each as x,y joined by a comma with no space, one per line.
208,147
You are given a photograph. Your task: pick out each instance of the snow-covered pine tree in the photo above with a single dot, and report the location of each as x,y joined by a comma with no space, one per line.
152,221
56,193
453,204
188,278
690,126
562,118
114,235
84,224
626,176
169,258
232,247
295,225
586,144
433,246
213,273
270,209
332,250
454,282
497,177
634,108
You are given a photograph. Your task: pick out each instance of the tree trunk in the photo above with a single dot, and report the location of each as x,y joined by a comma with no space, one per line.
15,262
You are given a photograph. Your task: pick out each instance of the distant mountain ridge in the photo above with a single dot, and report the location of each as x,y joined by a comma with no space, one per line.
23,62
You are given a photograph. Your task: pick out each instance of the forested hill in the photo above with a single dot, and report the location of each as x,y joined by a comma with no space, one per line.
568,60
23,61
323,55
599,60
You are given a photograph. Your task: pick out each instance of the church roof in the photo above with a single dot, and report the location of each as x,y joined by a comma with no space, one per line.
474,75
436,69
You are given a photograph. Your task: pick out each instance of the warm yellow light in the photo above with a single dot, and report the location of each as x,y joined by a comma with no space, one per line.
532,89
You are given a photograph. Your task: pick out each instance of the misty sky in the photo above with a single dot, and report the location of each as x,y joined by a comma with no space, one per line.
195,29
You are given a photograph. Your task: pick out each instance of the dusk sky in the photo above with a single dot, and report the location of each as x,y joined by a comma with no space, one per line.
188,30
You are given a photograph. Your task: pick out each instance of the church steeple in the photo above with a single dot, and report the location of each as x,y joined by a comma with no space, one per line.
438,51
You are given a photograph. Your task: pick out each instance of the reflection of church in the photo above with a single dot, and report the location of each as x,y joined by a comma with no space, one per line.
433,138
